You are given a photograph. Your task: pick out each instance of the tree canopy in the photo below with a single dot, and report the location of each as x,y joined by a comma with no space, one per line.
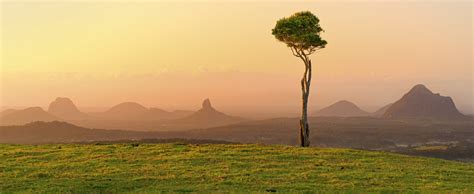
300,32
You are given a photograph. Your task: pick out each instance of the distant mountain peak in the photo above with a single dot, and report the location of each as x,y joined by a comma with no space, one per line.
206,104
62,102
422,103
63,99
420,88
344,102
342,108
128,106
64,108
126,110
208,116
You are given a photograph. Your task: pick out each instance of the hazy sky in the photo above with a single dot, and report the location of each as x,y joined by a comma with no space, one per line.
175,54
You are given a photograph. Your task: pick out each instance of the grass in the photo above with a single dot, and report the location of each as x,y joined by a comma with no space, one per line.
183,168
431,148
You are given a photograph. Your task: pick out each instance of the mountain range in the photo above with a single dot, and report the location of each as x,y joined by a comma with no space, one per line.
127,115
419,102
135,111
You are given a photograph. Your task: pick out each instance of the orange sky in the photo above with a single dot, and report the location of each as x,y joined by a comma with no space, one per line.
174,54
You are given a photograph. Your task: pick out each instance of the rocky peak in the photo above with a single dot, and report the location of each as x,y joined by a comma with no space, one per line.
206,104
62,104
420,89
422,103
64,108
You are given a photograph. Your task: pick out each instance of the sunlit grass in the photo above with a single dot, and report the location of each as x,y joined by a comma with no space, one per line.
181,167
431,148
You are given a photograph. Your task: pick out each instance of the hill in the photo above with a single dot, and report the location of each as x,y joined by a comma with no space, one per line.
420,102
342,108
125,111
64,108
112,168
21,117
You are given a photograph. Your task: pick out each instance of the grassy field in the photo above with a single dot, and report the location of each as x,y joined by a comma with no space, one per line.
182,168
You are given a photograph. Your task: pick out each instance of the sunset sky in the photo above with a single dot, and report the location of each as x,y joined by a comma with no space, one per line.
174,54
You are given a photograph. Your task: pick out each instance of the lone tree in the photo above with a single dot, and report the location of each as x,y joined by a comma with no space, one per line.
301,32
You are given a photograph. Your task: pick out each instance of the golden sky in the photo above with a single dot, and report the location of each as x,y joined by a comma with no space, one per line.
173,54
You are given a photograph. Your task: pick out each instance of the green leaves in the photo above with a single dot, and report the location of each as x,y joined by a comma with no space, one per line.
301,31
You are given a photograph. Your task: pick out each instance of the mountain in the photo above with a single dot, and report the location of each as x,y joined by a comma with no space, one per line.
420,102
65,108
125,111
342,108
208,116
27,115
381,111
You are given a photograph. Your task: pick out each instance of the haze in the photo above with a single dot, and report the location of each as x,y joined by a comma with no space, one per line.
174,54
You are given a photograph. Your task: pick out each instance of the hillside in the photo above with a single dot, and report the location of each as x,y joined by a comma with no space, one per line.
54,132
351,132
211,168
20,117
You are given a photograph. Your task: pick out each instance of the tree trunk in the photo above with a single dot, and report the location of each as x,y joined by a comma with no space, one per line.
305,86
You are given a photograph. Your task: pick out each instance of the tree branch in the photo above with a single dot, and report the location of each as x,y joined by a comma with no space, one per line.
294,52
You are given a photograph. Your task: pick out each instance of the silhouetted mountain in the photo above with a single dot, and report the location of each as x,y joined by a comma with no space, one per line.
420,102
342,108
27,115
381,111
208,116
125,111
65,108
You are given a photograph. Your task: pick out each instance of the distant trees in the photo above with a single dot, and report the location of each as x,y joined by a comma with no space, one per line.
301,32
